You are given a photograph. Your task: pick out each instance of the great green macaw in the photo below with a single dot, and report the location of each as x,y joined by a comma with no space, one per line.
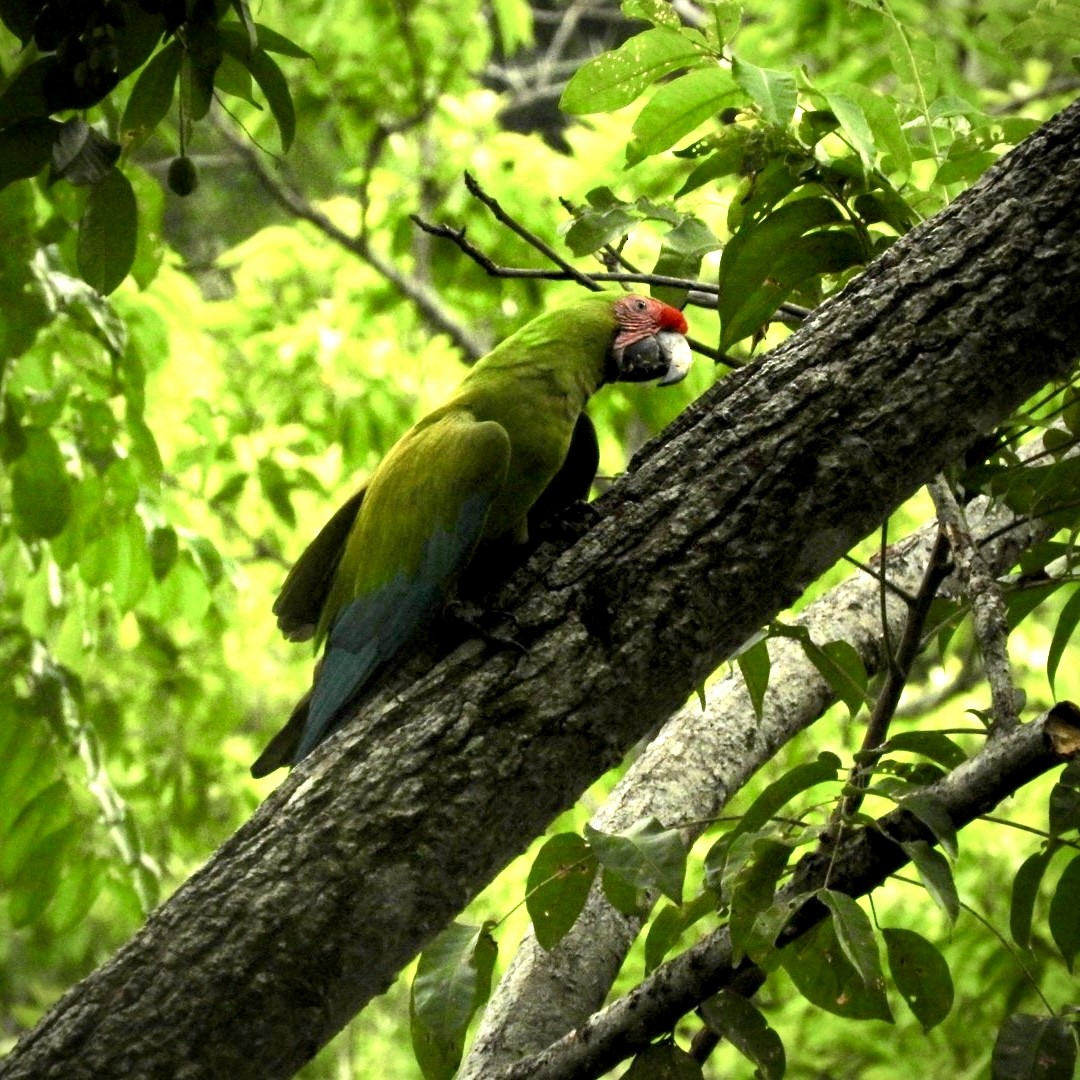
513,444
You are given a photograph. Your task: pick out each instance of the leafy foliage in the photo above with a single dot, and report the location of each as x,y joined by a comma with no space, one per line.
166,449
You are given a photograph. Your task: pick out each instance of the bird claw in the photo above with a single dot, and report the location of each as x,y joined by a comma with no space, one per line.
486,623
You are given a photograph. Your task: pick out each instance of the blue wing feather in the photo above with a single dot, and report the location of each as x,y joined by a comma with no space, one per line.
374,628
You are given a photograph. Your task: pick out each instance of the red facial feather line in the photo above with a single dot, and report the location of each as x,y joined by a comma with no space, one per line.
641,316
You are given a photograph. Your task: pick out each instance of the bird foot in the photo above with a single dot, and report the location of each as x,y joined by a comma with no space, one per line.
484,622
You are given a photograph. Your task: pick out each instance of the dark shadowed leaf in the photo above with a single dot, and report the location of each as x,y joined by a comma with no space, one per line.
108,233
932,813
1064,805
1063,632
670,922
453,979
40,487
742,1024
81,154
558,885
1034,1048
824,976
26,148
750,892
855,934
754,665
265,71
1025,891
152,94
920,974
936,875
769,802
1065,912
663,1061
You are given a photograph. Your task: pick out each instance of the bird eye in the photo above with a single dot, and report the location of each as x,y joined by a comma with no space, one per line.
640,305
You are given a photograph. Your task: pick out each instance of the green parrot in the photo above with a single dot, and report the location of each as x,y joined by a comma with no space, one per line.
512,446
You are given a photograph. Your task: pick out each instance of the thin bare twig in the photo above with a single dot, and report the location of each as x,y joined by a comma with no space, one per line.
426,301
897,672
987,604
528,236
494,269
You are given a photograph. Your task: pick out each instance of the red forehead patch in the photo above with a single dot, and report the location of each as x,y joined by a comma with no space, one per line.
640,316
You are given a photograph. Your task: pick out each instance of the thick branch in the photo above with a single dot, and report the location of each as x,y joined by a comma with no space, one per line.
701,758
384,833
864,860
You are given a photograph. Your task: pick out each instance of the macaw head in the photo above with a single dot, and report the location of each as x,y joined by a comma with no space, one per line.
649,342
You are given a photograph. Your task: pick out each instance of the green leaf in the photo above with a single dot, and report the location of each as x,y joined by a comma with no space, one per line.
514,21
936,875
670,923
824,976
765,807
657,12
854,124
108,233
272,83
1034,1048
932,813
646,855
1064,919
736,1019
681,252
198,66
164,548
878,113
1063,632
26,148
41,487
624,896
152,95
46,813
453,979
755,665
247,23
768,258
266,38
964,166
277,489
727,159
773,92
36,884
751,892
592,229
921,975
1025,891
615,79
856,935
931,744
558,885
76,891
677,108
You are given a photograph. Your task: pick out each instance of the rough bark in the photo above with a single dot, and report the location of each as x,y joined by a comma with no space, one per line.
370,847
702,757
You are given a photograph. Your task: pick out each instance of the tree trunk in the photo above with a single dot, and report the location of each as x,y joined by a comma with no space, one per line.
372,845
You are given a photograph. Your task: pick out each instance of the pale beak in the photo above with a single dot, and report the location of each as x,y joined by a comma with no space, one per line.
675,348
